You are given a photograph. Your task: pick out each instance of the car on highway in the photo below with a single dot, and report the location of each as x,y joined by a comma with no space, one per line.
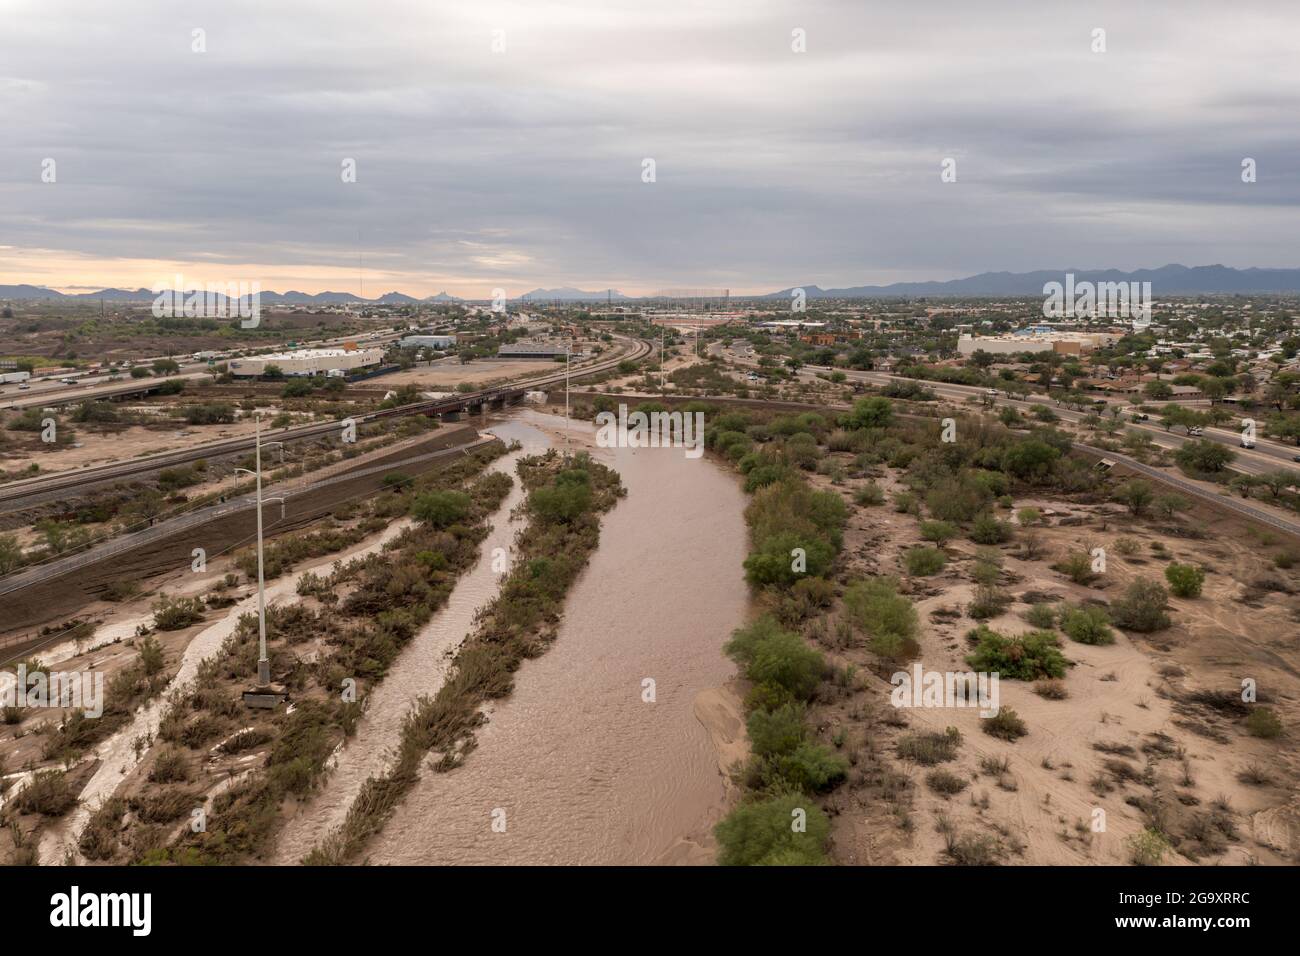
1295,457
1247,443
23,386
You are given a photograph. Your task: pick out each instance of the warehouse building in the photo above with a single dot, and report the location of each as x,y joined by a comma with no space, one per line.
308,362
533,350
427,342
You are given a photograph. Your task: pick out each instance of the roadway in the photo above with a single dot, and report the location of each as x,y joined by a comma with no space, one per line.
42,488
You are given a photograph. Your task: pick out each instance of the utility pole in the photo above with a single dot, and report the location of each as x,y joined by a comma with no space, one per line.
568,353
263,662
661,359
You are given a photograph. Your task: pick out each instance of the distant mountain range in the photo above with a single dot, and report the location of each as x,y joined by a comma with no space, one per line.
1165,281
273,298
571,295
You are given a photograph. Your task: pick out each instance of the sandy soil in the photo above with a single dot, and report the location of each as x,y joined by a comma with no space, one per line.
1128,702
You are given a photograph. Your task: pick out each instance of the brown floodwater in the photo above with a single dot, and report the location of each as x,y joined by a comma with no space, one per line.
575,763
419,670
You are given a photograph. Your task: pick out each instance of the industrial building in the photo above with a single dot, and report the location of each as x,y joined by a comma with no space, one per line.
1038,339
427,341
308,362
533,350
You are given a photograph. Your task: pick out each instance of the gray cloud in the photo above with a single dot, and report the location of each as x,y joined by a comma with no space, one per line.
523,168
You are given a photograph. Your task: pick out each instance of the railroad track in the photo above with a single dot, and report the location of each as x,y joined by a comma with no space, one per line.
32,491
201,516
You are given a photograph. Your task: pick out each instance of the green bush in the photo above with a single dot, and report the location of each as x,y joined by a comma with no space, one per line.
172,614
767,833
1185,580
1041,616
1264,722
1005,725
870,494
441,509
1027,657
987,529
1087,625
940,532
1142,608
922,562
886,617
770,654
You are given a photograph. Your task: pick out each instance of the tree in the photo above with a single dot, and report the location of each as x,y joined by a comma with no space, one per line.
1185,580
786,830
11,553
1142,607
441,509
1030,460
1136,494
1203,456
871,413
1157,390
1278,480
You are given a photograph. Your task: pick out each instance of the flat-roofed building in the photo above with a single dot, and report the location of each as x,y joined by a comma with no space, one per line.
533,350
307,362
427,341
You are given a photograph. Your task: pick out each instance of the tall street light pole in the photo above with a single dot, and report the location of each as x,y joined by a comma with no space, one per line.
568,353
263,662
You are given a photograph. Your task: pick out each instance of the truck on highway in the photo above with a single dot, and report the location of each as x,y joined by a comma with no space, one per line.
7,378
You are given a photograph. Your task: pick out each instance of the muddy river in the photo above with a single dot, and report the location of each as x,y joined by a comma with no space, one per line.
586,762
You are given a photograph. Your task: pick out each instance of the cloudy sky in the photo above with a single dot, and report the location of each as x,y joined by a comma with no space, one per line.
523,167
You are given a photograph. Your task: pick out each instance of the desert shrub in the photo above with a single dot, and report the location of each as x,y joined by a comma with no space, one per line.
151,655
770,654
944,783
922,562
886,617
870,494
171,766
172,614
1264,722
987,529
760,833
940,532
930,748
1077,566
1148,848
47,793
1051,690
1041,616
442,508
1185,580
1027,657
1142,607
1087,625
1005,725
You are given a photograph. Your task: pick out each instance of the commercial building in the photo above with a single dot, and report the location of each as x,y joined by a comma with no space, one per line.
533,350
427,341
1038,339
307,362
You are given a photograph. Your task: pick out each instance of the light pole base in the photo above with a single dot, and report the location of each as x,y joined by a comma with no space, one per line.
263,673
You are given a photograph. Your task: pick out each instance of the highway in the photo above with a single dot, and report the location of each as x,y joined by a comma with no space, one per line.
30,491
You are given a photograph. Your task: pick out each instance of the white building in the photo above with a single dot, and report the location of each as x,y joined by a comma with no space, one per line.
307,362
